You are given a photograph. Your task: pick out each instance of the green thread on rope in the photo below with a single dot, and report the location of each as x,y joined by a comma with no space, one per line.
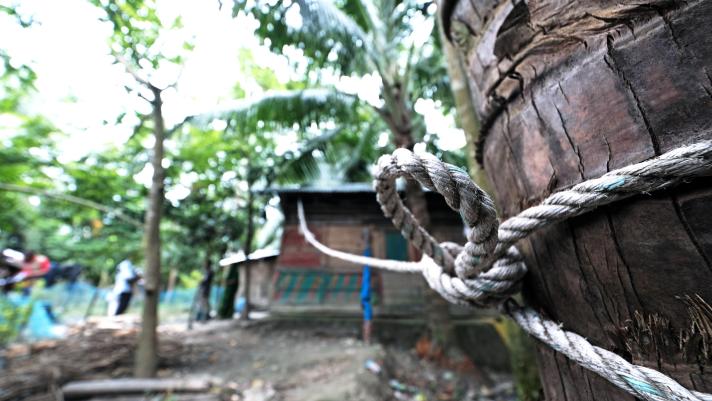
617,183
641,386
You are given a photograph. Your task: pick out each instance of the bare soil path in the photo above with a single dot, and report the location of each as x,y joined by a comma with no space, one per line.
259,361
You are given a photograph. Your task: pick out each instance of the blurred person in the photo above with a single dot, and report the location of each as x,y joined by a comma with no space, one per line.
204,289
120,297
10,267
366,290
34,266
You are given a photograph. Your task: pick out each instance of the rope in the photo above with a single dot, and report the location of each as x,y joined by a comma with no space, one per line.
386,264
642,382
488,269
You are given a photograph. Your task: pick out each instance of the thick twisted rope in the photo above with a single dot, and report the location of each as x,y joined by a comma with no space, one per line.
664,171
642,382
489,269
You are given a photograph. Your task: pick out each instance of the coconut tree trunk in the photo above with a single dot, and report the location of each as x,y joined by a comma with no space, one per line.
146,361
232,283
566,92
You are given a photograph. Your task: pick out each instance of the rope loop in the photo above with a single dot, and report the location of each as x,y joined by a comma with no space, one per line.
460,193
451,269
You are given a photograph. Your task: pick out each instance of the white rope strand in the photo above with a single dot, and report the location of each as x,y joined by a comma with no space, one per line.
386,264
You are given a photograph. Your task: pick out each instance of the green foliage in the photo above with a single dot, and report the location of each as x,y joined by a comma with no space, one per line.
358,38
69,232
283,109
136,28
342,44
216,160
191,279
27,148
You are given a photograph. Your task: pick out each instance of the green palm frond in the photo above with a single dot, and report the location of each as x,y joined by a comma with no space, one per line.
302,165
326,33
277,110
325,25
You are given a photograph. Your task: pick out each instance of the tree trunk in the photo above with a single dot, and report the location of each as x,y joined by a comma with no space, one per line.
172,278
463,104
245,314
564,95
147,352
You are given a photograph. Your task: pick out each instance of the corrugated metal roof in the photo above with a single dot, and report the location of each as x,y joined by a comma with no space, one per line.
256,255
350,187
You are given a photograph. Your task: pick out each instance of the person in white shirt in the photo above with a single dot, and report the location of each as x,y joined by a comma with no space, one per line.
120,297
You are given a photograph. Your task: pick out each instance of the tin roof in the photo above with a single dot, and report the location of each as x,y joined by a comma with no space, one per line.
352,187
349,187
239,257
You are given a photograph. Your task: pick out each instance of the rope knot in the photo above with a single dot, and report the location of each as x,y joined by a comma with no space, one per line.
486,289
465,275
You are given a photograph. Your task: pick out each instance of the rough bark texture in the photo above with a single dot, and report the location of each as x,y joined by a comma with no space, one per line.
147,352
567,90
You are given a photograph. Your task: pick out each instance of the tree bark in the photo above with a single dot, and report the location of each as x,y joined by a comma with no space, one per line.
565,94
466,116
146,362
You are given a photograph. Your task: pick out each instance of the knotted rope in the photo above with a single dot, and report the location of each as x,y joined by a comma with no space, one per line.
489,269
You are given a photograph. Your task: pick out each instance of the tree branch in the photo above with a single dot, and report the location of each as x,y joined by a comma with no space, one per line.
71,199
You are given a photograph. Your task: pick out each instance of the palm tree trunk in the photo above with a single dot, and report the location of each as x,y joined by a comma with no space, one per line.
631,277
232,283
202,312
147,352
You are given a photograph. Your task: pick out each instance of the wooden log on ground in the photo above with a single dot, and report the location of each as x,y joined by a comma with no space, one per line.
172,397
567,90
88,388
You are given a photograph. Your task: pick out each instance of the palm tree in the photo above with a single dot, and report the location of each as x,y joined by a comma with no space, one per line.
377,38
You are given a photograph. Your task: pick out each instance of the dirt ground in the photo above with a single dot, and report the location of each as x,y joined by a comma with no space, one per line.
257,361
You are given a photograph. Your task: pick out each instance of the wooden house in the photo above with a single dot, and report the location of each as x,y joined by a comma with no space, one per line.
306,279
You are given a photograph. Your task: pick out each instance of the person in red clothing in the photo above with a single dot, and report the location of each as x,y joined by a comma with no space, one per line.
33,267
